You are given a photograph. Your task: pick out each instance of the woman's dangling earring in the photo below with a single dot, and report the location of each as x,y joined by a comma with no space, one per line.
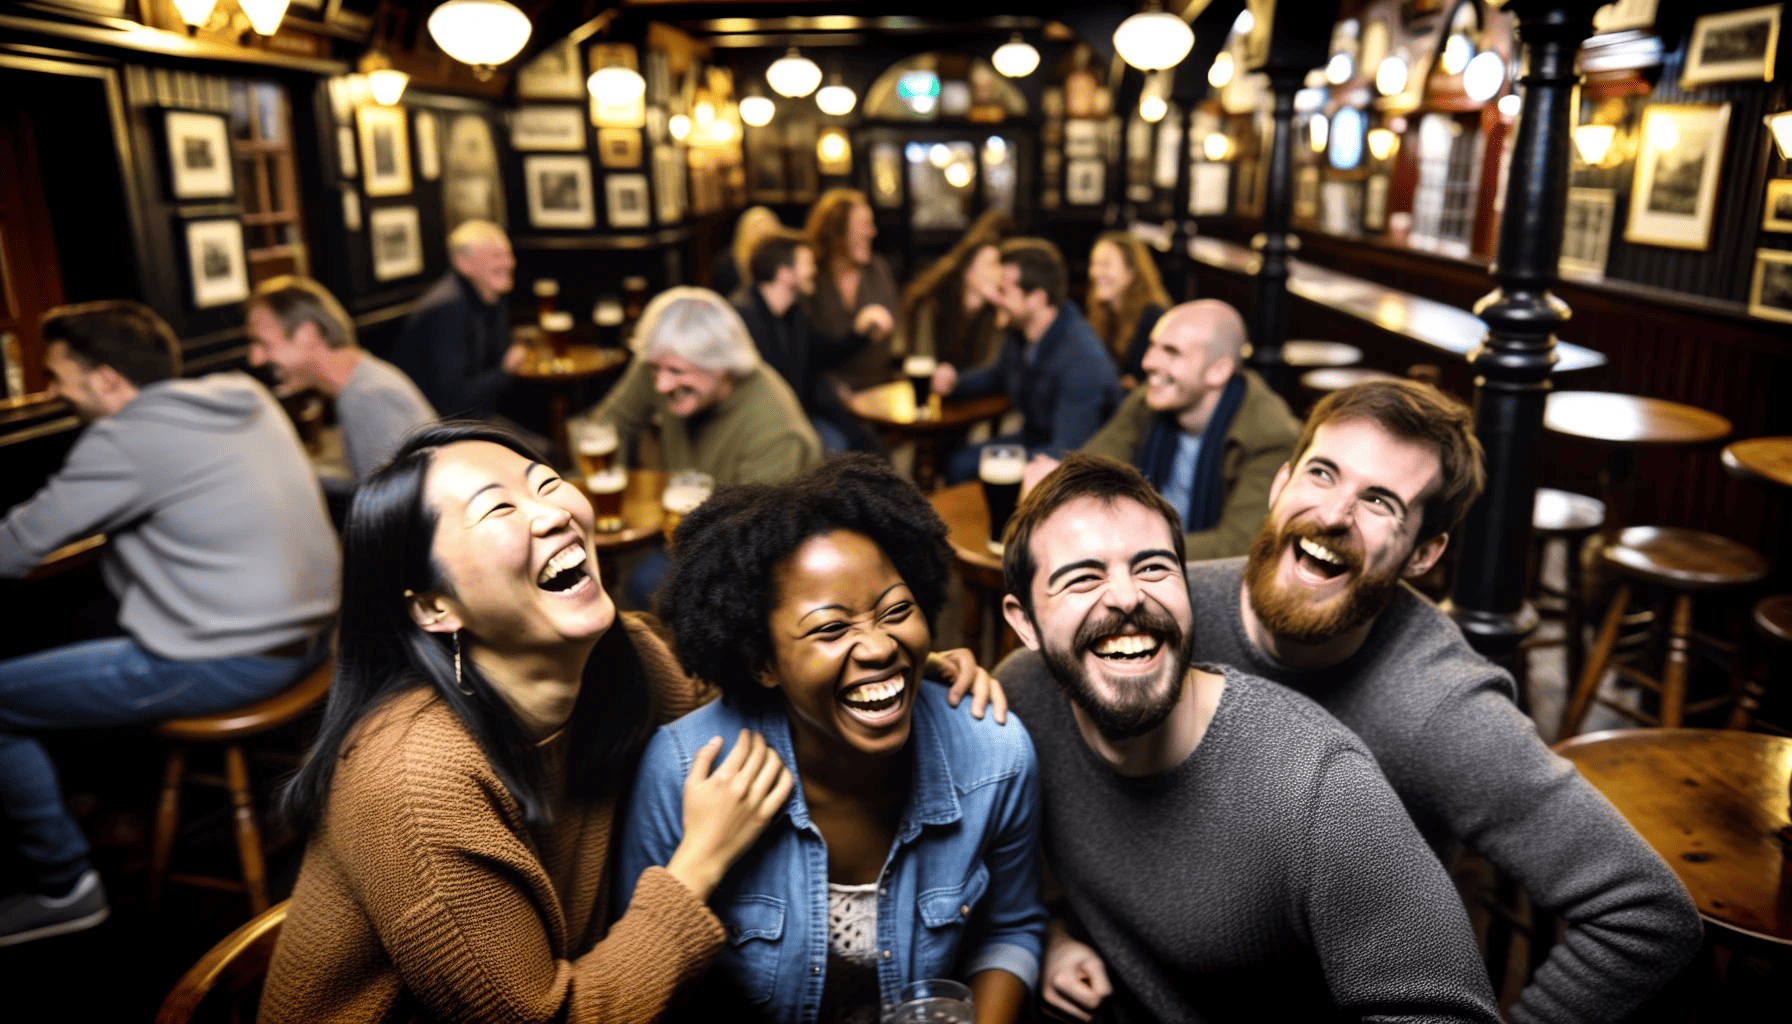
459,683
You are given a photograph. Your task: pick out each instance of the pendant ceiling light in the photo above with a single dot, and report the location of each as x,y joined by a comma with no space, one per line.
1483,76
836,99
679,125
483,33
264,15
1154,40
616,85
1153,108
195,12
757,110
793,75
1016,58
1390,77
386,83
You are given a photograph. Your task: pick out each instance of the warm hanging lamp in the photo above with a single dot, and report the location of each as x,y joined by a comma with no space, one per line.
836,99
1153,40
264,15
195,12
757,110
1015,58
1152,107
483,33
793,75
616,85
383,80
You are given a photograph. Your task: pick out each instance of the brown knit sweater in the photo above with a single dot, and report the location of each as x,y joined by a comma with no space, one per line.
423,895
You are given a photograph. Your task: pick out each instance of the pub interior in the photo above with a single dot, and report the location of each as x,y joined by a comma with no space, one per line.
964,243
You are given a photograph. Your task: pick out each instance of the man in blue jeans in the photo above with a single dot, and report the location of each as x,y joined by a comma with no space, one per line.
220,554
1051,365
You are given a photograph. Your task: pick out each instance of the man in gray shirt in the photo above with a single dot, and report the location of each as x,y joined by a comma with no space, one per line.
1228,847
297,327
1381,475
220,555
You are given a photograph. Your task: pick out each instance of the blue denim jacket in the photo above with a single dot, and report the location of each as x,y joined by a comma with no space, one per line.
958,894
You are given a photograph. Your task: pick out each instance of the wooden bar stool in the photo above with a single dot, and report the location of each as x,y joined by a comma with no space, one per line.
232,729
1682,562
1570,518
1312,355
1773,625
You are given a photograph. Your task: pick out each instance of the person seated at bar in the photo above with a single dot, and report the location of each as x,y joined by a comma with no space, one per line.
908,850
1227,850
219,552
1125,299
486,710
1051,365
949,310
1382,474
1197,388
456,344
754,224
718,408
297,328
781,272
855,293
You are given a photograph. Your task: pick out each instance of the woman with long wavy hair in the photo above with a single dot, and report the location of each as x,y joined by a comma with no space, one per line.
1126,297
855,296
947,309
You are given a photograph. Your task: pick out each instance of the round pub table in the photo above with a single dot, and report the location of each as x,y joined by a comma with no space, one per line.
560,374
1763,459
1713,804
642,520
892,408
1624,423
967,529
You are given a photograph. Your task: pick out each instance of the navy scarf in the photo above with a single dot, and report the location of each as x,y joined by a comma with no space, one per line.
1157,458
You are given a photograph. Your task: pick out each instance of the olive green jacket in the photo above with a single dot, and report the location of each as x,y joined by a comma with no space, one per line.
758,434
1261,439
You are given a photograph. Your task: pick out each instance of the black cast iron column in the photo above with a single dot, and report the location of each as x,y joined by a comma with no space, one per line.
1513,363
1269,313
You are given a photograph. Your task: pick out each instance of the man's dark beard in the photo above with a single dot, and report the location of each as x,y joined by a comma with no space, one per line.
1139,711
1290,613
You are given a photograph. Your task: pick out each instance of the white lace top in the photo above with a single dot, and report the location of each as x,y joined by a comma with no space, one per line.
850,992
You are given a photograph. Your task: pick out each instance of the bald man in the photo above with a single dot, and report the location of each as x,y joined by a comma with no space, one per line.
456,344
1207,433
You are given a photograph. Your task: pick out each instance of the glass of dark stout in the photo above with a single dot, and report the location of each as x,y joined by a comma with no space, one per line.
1001,467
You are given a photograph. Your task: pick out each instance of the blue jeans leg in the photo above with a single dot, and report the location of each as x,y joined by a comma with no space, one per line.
98,684
962,464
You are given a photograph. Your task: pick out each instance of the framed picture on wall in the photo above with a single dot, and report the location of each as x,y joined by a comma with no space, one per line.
765,172
1674,192
1624,14
625,200
1776,214
548,128
429,150
1085,182
668,179
1375,203
345,152
1770,295
215,257
559,191
199,157
1209,189
619,147
1082,138
1306,192
397,242
555,74
1735,46
1587,231
385,151
351,209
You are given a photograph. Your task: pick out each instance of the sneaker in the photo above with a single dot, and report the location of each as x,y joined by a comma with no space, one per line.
27,916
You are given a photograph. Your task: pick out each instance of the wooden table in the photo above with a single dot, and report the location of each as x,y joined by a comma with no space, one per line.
642,518
967,529
1713,804
581,363
1624,423
892,408
1764,459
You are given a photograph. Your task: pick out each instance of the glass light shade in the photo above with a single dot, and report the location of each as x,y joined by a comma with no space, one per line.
1015,58
793,75
1244,22
1457,51
1390,77
1216,146
939,155
1593,141
958,175
616,85
1153,108
1339,69
1780,125
832,147
1318,131
835,100
755,110
1154,40
1510,104
679,125
387,85
264,15
1220,74
1664,136
483,33
195,12
1484,76
1383,143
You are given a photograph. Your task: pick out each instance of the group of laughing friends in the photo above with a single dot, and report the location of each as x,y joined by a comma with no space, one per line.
1206,791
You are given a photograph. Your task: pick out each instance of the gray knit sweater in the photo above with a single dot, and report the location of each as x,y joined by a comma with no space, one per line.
1471,769
1270,876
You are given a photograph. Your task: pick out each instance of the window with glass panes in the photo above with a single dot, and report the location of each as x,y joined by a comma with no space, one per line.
261,135
1445,202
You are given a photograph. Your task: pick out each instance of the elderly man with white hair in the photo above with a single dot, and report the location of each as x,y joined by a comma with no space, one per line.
456,344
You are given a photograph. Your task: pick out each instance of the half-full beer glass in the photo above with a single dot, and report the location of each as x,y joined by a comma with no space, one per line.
606,497
596,445
684,492
558,327
1001,467
547,296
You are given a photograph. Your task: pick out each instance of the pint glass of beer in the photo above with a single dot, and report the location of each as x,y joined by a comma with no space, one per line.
547,295
607,315
634,295
919,371
558,327
1001,467
684,492
606,497
595,444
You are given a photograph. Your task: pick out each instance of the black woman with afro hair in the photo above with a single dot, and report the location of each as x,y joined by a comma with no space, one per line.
907,849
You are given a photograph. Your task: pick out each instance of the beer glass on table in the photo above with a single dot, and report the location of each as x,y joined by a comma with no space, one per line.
934,1001
606,497
919,371
634,295
1001,467
547,295
595,444
558,327
607,315
684,492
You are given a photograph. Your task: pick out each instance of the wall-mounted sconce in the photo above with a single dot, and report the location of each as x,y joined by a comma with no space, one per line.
679,125
1152,107
1220,75
264,15
1015,58
1780,125
833,151
385,82
1390,77
1383,143
616,86
1216,146
482,33
1594,142
195,12
1319,130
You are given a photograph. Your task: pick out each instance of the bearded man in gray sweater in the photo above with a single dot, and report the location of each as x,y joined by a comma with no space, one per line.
219,552
1230,849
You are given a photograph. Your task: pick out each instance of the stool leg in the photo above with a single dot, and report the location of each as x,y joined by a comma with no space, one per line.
1673,677
248,837
1602,652
161,849
1571,624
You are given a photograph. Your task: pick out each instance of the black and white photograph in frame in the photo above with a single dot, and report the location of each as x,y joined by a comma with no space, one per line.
559,191
1680,155
1776,213
1735,46
1085,182
471,186
397,242
199,156
1770,294
429,148
1082,138
385,151
668,177
1587,230
619,148
554,129
215,257
625,200
1375,203
555,74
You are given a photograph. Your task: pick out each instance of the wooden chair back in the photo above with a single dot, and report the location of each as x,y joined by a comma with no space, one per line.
233,970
